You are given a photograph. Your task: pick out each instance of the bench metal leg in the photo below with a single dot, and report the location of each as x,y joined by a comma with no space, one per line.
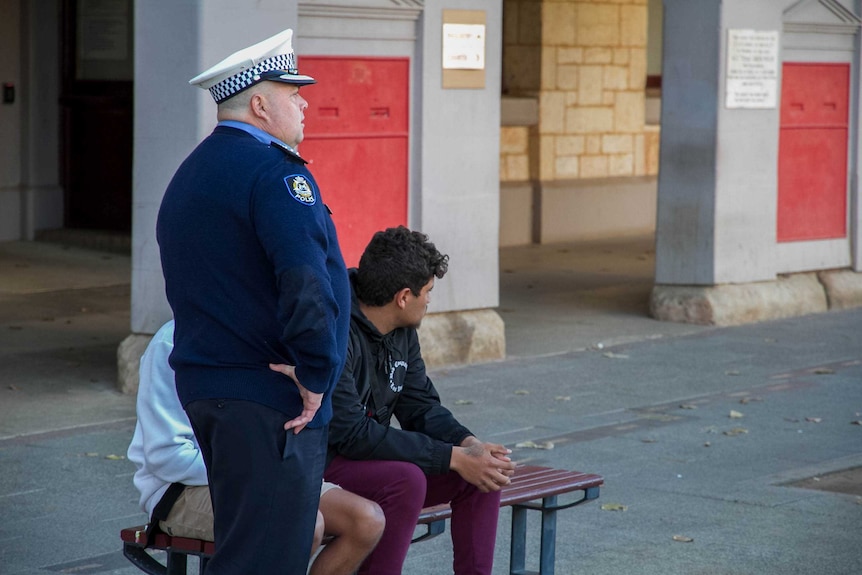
432,530
518,545
548,544
177,563
204,562
549,536
142,560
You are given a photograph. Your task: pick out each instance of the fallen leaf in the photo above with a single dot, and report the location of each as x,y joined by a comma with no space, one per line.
563,398
534,445
707,444
522,392
92,454
687,406
732,372
614,507
823,371
746,400
736,431
13,387
735,414
682,539
463,402
114,457
613,355
857,422
648,440
814,419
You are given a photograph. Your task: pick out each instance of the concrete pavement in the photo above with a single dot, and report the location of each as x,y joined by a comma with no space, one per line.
698,431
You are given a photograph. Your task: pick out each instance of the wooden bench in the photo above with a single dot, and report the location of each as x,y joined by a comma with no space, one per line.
532,488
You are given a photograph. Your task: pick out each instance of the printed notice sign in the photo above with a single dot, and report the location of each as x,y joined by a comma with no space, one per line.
103,30
463,46
752,69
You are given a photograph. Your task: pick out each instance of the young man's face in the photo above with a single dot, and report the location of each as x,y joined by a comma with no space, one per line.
416,306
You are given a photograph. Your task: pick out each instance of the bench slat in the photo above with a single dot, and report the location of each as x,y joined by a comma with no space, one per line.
529,483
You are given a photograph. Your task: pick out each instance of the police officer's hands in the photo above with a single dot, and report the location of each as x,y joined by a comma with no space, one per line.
310,401
485,465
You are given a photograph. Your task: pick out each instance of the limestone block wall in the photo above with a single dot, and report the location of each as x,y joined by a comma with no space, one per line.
585,62
591,148
514,153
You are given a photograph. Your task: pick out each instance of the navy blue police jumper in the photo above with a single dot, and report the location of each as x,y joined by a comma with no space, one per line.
254,274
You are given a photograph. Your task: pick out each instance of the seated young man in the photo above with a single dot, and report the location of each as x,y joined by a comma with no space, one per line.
165,452
432,459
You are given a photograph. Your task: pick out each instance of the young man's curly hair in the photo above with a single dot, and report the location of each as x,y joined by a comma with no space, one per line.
394,259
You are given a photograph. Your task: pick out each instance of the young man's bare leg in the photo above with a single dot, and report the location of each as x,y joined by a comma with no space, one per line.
356,523
318,533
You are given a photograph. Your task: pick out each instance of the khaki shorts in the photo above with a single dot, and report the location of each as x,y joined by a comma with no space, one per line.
192,513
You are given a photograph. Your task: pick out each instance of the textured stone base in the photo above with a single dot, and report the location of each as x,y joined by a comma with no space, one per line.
462,337
128,361
843,288
734,304
447,339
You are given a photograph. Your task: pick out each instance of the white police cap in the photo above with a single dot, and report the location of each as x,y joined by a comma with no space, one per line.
273,60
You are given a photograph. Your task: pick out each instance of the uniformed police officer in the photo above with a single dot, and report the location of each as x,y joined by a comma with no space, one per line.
254,276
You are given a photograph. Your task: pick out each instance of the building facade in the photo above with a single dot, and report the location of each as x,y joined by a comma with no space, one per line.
727,128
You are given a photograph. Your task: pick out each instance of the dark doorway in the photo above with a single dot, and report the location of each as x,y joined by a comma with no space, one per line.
97,113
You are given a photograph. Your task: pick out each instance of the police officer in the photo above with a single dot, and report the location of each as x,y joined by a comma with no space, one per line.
254,276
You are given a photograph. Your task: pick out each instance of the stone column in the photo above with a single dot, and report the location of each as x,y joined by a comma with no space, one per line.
717,256
174,41
456,195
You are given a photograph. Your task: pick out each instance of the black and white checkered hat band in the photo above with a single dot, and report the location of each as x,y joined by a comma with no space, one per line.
239,82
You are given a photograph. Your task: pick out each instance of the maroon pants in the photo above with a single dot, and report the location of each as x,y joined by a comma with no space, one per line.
402,490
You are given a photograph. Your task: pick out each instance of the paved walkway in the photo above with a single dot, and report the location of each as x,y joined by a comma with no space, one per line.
698,431
571,297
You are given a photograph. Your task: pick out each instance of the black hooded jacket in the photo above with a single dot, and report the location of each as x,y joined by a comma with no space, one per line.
384,376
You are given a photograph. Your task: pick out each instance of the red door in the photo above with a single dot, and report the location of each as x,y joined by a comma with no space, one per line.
812,152
356,129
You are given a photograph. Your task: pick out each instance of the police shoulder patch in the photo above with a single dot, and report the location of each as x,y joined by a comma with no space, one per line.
300,189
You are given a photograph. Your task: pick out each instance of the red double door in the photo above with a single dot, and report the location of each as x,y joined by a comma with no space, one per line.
356,138
812,156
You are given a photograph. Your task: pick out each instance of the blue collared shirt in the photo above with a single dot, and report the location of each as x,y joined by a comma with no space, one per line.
259,134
